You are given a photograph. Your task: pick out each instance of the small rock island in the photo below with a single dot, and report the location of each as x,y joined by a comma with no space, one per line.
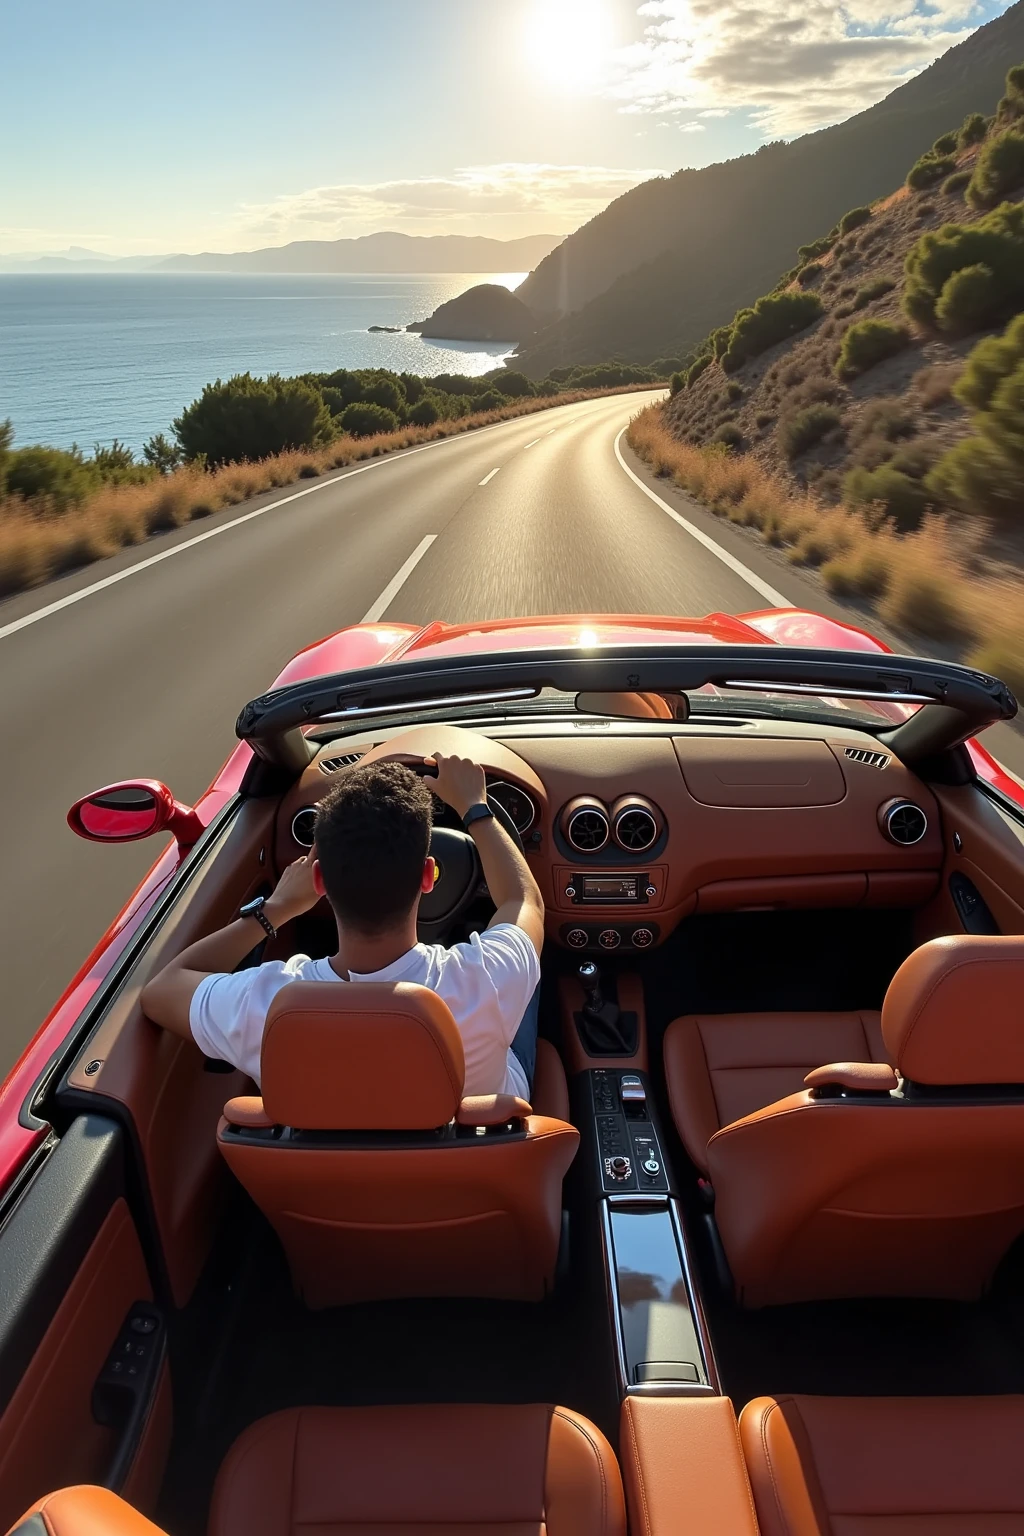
487,312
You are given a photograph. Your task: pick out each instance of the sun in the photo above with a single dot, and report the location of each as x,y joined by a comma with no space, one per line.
568,42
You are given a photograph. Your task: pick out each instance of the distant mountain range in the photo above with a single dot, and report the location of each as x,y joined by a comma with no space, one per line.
673,258
387,251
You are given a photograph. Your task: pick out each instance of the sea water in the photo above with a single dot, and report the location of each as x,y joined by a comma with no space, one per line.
87,357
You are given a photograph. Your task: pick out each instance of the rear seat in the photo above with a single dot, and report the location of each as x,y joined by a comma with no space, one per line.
794,1466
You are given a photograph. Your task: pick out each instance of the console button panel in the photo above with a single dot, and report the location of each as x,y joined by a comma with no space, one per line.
608,936
629,1153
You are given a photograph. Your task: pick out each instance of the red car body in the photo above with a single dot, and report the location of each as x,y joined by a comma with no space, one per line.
364,645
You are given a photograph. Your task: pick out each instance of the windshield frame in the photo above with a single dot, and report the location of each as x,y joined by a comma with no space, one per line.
955,702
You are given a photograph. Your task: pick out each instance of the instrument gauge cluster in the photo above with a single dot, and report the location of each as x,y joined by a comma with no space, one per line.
516,802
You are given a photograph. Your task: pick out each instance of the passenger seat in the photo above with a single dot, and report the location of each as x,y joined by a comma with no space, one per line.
448,1470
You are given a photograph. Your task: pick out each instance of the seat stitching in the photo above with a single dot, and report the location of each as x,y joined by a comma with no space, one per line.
639,1470
771,1469
743,1466
711,1075
578,1425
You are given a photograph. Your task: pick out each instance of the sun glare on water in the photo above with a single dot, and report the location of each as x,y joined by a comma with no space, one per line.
569,41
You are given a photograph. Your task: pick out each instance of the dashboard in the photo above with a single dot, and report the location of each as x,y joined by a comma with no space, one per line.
629,828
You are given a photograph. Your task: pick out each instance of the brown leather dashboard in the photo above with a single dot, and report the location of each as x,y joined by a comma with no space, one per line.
760,821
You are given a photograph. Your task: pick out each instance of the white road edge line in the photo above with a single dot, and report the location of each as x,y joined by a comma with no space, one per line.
236,522
774,596
397,581
488,478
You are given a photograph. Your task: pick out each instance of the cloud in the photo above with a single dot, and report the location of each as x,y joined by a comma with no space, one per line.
792,65
501,200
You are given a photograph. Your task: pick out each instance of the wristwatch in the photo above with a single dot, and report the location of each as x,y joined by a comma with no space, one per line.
255,909
476,813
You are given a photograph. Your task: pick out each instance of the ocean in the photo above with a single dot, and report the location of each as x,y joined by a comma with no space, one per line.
88,357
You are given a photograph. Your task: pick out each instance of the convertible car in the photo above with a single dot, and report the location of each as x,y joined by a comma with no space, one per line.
773,1165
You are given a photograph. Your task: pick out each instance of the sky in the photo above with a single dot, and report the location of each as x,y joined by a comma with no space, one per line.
146,127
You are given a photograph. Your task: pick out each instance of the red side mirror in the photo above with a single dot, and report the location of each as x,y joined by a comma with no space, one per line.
122,813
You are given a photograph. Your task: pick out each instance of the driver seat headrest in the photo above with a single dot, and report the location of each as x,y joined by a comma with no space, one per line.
361,1056
953,1012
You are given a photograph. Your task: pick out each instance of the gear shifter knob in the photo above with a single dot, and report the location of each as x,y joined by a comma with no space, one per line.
590,976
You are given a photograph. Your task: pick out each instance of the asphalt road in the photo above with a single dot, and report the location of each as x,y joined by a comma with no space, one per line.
145,676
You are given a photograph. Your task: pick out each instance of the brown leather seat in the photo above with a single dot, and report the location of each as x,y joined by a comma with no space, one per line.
379,1178
722,1066
857,1187
466,1470
896,1466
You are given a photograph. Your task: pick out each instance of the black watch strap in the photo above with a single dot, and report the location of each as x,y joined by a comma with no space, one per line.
255,909
476,813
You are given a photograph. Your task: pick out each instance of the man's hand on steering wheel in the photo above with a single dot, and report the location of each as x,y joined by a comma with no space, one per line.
460,782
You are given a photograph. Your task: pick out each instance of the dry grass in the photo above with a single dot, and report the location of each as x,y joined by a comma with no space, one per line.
926,583
37,544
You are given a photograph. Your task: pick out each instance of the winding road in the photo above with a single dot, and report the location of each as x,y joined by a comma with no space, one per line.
138,665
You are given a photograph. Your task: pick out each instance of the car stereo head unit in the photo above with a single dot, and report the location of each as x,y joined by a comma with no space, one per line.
611,889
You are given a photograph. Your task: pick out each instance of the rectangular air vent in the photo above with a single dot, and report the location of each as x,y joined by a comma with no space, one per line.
332,764
870,759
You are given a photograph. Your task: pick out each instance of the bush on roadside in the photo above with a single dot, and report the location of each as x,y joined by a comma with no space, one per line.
995,241
955,183
801,431
364,418
1011,106
729,434
676,383
807,274
774,318
513,385
928,170
972,130
903,497
161,454
853,220
985,473
492,400
868,343
873,290
999,170
248,418
696,368
424,413
61,479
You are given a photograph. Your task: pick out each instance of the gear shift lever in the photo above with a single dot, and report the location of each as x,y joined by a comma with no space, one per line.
601,1018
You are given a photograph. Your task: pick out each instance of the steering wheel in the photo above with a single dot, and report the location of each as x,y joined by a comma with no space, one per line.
458,866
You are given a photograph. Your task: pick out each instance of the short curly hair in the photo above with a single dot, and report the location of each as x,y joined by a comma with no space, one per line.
372,837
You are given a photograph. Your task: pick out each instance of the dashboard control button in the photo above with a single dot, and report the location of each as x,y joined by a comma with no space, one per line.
577,938
619,1168
609,938
570,891
652,890
643,938
652,1166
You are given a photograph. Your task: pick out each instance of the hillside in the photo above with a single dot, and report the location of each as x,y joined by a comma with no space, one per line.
384,252
674,257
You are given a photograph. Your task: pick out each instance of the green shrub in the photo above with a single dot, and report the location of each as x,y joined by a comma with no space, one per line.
491,400
384,389
873,290
985,473
424,413
854,219
719,341
868,343
1012,104
801,431
63,478
774,318
364,418
817,248
972,130
966,300
955,183
676,383
995,241
733,390
946,144
999,170
807,274
729,434
515,386
344,381
334,399
905,499
6,439
928,170
247,418
695,369
764,419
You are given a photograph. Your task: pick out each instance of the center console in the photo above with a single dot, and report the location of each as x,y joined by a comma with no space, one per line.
660,1338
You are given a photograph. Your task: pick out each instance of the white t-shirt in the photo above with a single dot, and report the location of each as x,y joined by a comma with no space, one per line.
486,983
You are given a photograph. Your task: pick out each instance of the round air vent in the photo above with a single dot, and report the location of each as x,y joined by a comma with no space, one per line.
585,824
903,822
635,823
304,826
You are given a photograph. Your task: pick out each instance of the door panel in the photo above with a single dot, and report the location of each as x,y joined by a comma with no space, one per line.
71,1266
991,855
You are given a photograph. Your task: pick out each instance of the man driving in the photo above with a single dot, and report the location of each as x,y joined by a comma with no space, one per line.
371,860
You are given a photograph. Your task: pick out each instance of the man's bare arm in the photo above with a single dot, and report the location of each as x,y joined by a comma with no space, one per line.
167,996
514,891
